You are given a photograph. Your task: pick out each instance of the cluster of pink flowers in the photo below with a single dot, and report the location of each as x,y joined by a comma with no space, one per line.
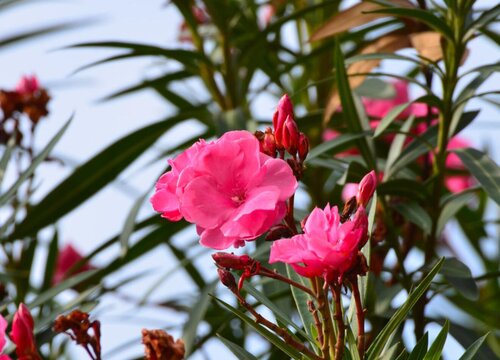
21,335
236,188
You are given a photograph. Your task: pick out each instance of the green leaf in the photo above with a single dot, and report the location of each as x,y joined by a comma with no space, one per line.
401,313
273,339
280,314
408,188
460,277
92,176
420,349
397,146
129,226
237,350
301,298
470,353
486,17
483,169
436,349
34,164
390,117
339,142
419,15
349,107
196,316
50,263
415,214
451,207
6,155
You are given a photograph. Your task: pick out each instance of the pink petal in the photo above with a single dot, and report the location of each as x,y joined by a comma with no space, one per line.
215,239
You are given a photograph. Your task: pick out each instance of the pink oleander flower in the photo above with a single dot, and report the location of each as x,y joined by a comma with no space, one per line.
327,248
27,85
266,14
66,259
3,327
228,188
349,191
457,183
378,108
366,188
22,334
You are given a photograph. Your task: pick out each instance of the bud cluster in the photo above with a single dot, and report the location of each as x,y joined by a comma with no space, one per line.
226,262
159,345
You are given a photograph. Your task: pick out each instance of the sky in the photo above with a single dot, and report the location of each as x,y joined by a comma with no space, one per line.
96,124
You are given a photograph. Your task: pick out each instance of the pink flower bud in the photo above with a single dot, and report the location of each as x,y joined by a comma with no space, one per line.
22,334
27,85
231,261
290,139
67,258
227,279
283,111
366,188
303,146
267,142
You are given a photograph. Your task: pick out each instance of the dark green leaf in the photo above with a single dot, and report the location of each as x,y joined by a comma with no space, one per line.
460,277
436,348
237,350
414,213
470,353
483,169
420,349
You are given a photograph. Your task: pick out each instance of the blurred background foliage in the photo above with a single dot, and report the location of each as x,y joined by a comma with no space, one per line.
325,55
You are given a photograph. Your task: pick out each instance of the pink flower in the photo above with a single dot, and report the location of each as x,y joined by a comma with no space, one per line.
22,334
228,188
27,85
366,188
378,108
457,183
66,259
349,191
3,327
267,13
327,248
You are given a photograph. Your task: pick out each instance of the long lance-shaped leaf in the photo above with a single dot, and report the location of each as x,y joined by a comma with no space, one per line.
400,314
34,164
471,351
237,350
420,349
273,339
6,156
483,169
349,107
92,176
436,349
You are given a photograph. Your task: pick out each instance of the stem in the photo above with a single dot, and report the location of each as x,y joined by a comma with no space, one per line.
339,318
290,219
360,315
317,322
259,319
274,275
324,309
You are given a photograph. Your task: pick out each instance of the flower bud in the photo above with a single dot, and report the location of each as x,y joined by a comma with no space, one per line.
366,188
283,111
227,279
290,139
231,261
267,142
27,85
303,146
361,223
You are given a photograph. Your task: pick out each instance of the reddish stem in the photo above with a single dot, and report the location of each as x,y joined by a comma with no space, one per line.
339,318
360,315
274,275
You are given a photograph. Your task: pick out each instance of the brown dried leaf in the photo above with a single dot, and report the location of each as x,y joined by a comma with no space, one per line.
428,44
389,43
352,17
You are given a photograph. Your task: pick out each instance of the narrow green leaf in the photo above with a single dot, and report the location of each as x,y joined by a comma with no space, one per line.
401,313
196,316
339,142
92,176
415,214
460,277
129,226
390,117
397,146
420,349
273,339
408,188
348,106
6,155
483,169
50,263
34,164
237,350
470,353
436,348
301,298
280,314
351,341
424,16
